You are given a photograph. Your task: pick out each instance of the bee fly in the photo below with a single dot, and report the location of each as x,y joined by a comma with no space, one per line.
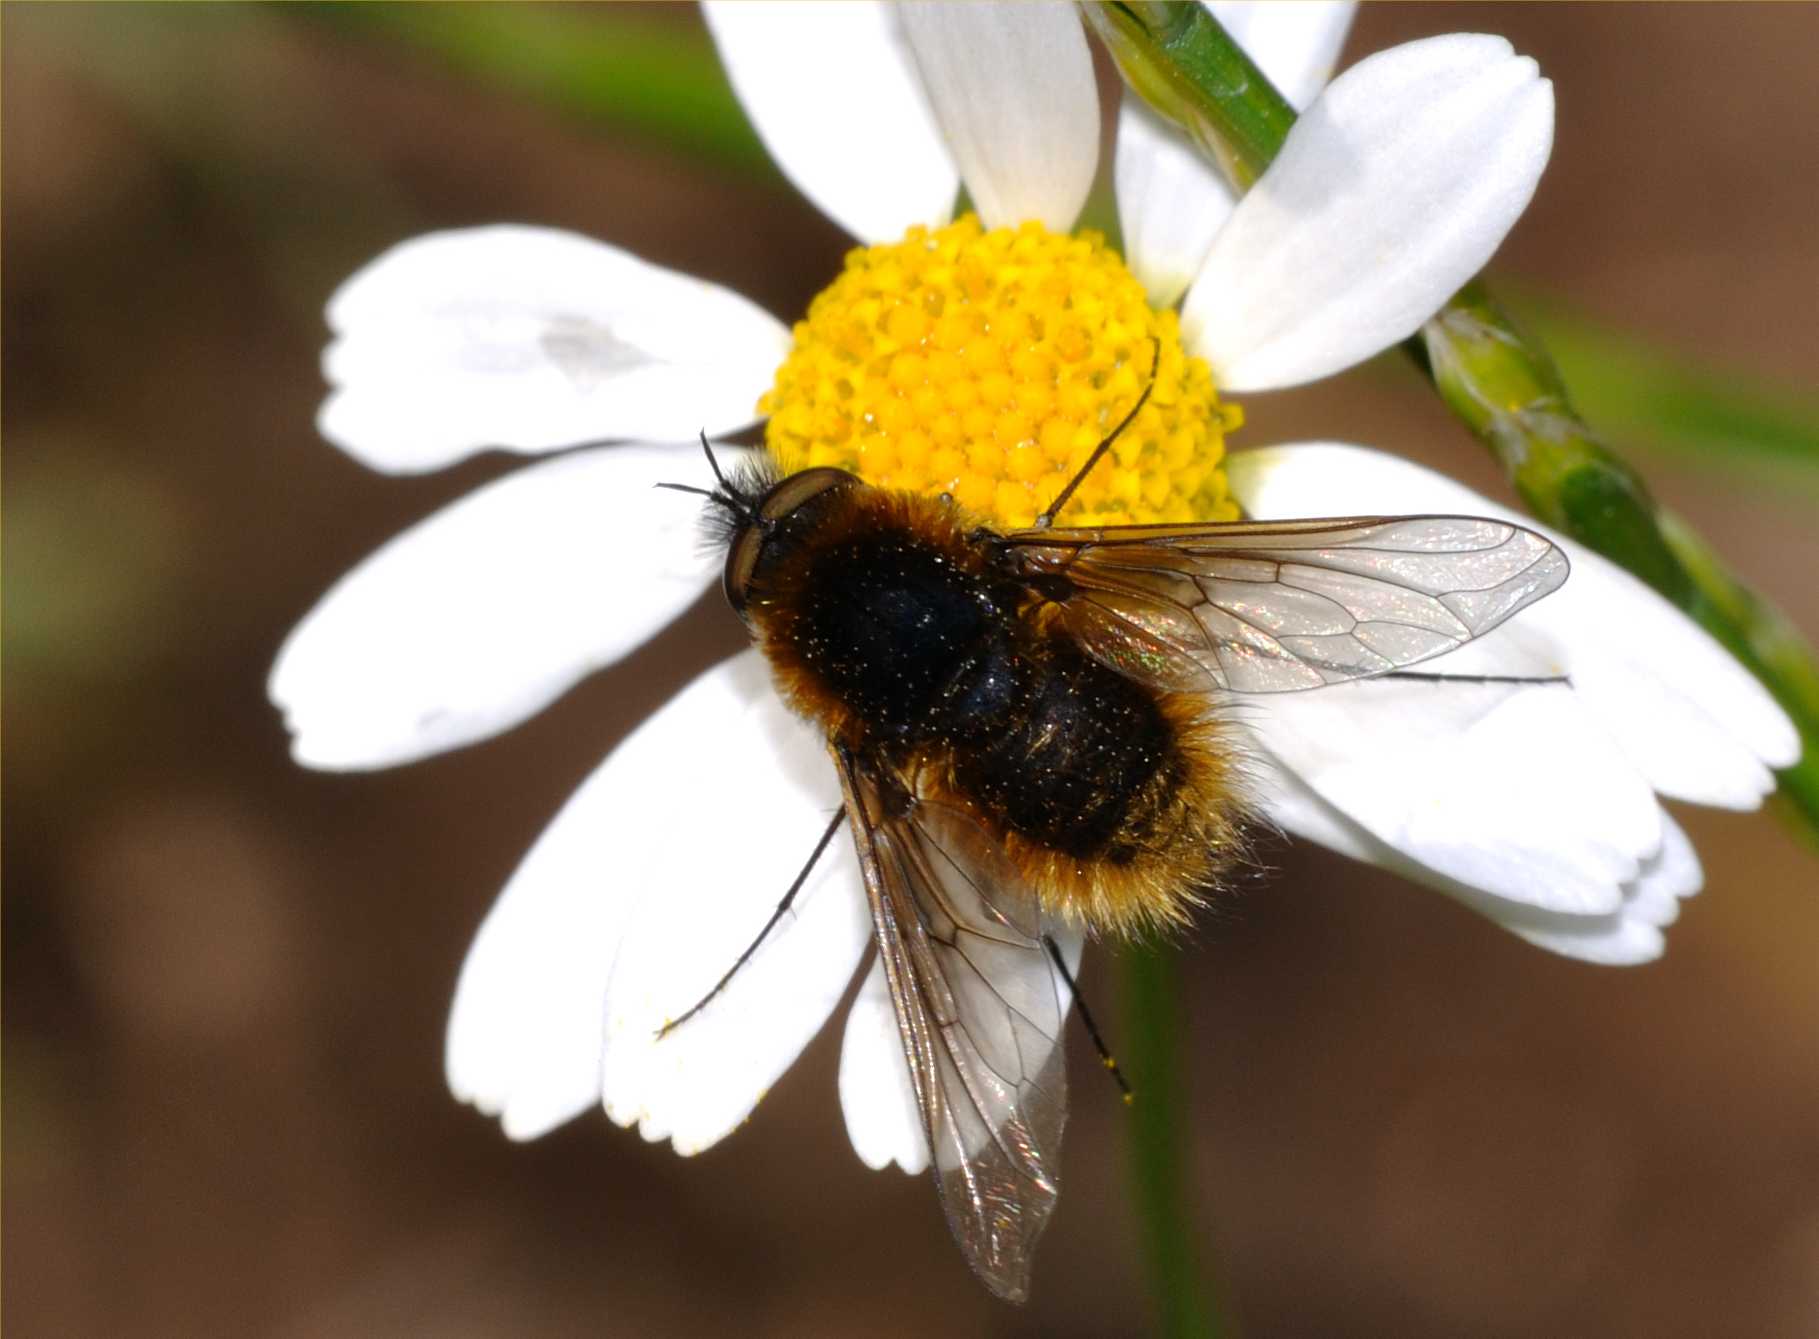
1024,729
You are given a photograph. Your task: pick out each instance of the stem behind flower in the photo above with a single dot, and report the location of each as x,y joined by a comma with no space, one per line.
1159,1173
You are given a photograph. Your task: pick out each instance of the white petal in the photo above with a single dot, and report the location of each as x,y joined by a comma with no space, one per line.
875,1092
1694,722
1668,877
1013,88
727,748
1632,935
1391,191
1171,202
1616,938
530,339
1279,481
480,615
834,95
525,1032
527,1029
1295,45
1510,789
1619,939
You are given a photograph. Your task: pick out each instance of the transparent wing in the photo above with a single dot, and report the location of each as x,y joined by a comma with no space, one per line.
980,1010
1271,607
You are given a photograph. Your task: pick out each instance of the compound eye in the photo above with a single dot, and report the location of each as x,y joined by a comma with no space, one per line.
741,559
794,491
784,500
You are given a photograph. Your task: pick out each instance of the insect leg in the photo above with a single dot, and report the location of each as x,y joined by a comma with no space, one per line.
777,915
1086,1017
1477,678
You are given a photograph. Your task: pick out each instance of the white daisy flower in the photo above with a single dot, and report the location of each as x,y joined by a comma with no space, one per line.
1534,805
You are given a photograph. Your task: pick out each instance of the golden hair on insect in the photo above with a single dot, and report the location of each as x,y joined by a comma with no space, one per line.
893,622
1031,733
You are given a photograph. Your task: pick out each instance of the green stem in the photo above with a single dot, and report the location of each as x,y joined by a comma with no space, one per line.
1159,1167
1506,389
1761,637
1494,376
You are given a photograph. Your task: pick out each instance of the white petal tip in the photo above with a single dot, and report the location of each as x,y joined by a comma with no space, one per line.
1629,943
336,749
1780,746
874,1160
628,1116
519,1121
523,1126
881,1158
1395,187
1643,945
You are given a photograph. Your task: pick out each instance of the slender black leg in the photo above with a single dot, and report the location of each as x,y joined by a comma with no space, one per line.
1476,678
777,915
1086,1017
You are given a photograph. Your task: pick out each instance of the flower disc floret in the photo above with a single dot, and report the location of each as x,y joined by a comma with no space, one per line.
988,365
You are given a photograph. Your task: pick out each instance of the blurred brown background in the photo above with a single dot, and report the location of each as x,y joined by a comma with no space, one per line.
225,977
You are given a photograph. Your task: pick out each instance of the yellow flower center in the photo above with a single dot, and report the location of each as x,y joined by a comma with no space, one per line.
988,365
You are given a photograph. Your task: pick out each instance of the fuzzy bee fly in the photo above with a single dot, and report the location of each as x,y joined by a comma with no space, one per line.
1026,731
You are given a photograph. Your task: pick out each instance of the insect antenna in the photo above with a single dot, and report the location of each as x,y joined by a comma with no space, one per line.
1047,518
737,505
1092,1029
777,915
714,465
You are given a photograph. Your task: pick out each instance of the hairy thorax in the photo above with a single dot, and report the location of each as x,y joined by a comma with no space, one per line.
888,621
